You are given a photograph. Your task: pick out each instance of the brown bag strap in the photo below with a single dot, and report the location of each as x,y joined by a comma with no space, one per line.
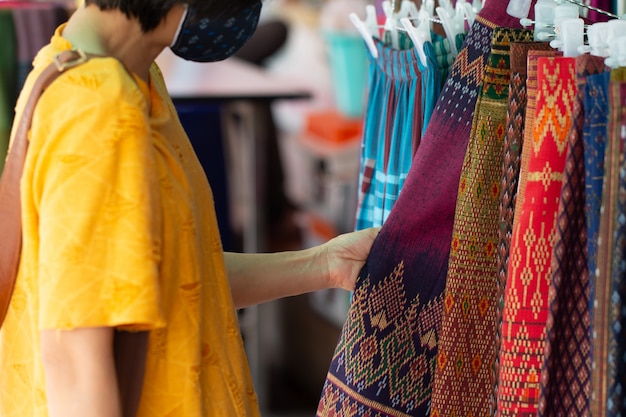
10,206
130,348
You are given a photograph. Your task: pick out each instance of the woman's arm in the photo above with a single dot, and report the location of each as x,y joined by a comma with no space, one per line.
80,373
256,278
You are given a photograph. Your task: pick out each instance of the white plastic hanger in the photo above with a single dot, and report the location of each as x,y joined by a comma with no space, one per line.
429,7
477,5
597,35
518,8
570,36
394,11
468,11
617,52
544,19
368,28
616,39
420,34
453,24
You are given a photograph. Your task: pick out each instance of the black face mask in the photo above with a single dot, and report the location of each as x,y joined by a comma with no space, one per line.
207,40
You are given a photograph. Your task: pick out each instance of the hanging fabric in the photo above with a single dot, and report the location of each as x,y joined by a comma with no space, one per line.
464,379
603,319
566,372
594,16
595,136
616,378
400,100
525,307
511,161
385,358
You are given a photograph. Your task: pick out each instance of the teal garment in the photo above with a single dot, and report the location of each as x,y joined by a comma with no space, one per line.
401,99
8,84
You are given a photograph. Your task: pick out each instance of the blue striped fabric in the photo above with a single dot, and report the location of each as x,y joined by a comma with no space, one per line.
401,98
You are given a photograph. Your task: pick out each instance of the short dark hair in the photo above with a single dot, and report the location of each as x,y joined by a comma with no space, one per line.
151,12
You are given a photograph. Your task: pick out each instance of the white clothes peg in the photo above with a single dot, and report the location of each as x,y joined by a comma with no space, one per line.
617,52
544,19
447,5
366,30
392,22
615,29
428,6
562,14
463,8
518,8
477,5
597,44
572,34
419,35
452,25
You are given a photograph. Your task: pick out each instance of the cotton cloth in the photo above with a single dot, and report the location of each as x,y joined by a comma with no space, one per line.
401,96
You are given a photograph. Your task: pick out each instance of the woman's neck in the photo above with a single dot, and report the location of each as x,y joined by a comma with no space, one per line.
112,33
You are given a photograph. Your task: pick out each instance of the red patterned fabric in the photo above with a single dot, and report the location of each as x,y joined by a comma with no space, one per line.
511,162
525,308
566,374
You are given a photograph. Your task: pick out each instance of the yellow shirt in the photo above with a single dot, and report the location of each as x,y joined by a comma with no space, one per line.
120,230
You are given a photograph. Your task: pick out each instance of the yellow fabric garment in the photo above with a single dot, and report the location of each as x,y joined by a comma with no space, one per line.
120,230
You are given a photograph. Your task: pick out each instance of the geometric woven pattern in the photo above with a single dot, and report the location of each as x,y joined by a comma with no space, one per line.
529,118
464,380
525,308
511,161
408,260
566,374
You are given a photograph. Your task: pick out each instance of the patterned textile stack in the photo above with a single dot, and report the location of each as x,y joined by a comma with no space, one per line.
385,360
497,285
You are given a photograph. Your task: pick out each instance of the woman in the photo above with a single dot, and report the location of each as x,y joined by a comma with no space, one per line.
120,231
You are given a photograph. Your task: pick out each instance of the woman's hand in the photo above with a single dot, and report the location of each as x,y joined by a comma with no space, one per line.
346,255
260,277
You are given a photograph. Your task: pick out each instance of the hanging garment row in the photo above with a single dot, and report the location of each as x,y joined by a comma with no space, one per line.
407,68
25,26
497,284
405,82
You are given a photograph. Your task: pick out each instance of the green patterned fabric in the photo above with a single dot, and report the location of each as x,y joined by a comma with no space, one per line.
464,379
8,90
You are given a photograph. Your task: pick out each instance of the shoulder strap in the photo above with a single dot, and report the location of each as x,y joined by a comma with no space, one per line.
10,206
129,348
